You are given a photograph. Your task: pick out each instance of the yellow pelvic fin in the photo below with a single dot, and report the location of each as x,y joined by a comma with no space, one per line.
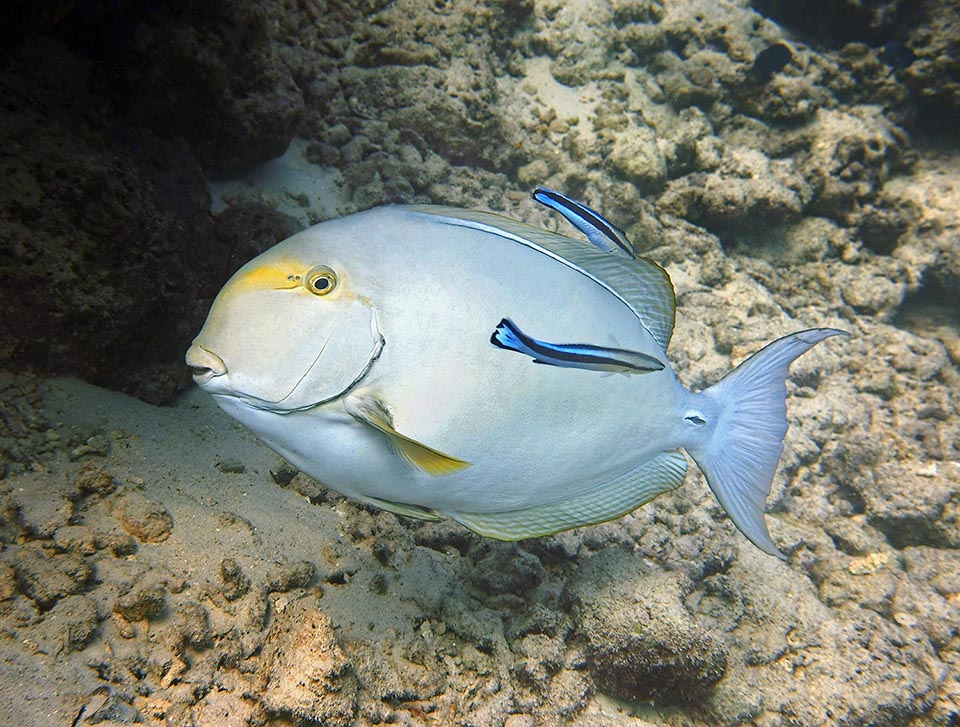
430,460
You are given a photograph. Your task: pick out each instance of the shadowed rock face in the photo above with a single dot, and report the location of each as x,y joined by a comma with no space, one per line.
206,72
917,39
642,642
844,21
104,230
109,255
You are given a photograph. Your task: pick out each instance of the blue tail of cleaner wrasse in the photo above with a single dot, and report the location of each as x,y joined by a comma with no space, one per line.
740,424
507,335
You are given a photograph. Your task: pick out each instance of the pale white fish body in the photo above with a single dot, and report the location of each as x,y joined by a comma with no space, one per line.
401,350
532,434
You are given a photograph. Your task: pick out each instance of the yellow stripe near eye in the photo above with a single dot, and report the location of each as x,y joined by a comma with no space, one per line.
270,277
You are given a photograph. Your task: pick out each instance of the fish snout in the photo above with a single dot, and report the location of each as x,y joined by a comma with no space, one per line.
204,364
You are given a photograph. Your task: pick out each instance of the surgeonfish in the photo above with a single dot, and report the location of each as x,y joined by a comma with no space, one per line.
436,361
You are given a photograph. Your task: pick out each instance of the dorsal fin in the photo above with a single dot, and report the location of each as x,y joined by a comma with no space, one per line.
640,283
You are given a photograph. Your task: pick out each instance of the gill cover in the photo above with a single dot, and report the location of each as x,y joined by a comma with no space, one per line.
284,345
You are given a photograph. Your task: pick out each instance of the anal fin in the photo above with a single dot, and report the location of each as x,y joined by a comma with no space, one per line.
608,501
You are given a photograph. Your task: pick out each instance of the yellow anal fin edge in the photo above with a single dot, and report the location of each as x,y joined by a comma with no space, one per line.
608,501
427,459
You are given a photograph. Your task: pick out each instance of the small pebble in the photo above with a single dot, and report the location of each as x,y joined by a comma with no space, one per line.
193,624
235,583
231,467
97,446
291,575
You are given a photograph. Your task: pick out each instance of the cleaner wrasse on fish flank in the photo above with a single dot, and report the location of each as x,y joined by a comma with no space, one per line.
436,361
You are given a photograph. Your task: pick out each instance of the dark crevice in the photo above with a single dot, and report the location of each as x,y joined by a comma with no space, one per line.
935,305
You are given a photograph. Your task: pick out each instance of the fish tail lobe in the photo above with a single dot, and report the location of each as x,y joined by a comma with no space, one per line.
505,335
739,451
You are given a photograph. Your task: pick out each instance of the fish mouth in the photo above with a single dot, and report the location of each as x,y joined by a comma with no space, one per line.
204,365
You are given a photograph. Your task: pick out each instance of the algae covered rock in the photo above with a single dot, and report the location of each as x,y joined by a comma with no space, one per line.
642,642
304,673
145,519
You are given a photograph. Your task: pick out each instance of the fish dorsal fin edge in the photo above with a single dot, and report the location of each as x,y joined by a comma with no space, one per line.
642,284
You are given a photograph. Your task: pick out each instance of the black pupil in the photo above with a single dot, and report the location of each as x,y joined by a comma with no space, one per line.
321,283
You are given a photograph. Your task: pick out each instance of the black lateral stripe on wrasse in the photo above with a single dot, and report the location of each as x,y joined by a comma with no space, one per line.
508,335
583,218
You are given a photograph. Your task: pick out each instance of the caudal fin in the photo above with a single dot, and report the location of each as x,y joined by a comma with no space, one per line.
740,456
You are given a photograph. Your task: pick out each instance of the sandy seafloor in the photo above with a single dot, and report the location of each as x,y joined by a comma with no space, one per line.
158,565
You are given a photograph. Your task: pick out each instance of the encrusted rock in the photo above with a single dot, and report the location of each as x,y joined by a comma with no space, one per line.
78,538
8,582
642,642
47,577
507,569
288,576
636,156
145,519
304,673
93,478
70,624
913,505
192,622
42,508
141,604
235,583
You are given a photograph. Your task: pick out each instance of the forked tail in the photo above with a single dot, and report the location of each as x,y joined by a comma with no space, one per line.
739,450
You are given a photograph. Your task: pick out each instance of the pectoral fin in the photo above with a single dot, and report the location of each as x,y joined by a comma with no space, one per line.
432,461
508,335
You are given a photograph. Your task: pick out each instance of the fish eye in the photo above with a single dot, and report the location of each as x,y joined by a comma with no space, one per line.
321,280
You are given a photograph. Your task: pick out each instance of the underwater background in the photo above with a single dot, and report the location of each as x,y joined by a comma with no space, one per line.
791,164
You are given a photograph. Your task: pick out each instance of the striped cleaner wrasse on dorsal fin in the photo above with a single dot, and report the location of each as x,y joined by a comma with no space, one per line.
600,231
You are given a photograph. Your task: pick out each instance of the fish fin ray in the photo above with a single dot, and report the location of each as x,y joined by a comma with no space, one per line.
419,455
608,501
740,458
